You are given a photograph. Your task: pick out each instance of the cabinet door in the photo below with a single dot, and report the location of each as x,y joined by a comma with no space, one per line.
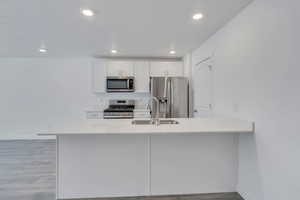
98,76
142,77
193,163
203,88
102,166
164,68
119,68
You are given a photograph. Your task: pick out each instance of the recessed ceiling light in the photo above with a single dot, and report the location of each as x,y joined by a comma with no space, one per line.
197,16
172,52
114,51
87,12
43,50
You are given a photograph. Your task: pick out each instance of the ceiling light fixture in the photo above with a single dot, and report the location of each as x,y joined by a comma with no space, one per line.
87,12
114,51
43,50
197,16
172,52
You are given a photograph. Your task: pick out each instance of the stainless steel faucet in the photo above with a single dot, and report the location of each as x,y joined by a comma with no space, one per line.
155,119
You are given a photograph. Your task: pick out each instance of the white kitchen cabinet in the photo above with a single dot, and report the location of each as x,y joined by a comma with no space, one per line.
118,165
142,76
119,68
102,166
140,69
193,163
203,88
166,68
98,76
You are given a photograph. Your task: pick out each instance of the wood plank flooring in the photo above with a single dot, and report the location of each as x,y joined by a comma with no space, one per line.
27,172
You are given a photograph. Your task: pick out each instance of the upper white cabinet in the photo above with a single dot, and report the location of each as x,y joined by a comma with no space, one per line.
142,76
99,75
141,70
120,68
166,68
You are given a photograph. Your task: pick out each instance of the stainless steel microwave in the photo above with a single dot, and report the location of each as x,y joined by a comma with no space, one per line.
119,84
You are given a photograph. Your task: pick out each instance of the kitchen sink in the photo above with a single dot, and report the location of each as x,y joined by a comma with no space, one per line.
152,122
168,121
142,122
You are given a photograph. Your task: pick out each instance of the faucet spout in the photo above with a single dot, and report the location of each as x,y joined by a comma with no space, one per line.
156,118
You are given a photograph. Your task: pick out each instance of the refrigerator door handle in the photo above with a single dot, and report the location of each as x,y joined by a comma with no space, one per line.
151,85
170,98
150,103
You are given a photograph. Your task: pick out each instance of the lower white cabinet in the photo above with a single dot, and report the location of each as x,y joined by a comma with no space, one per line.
93,166
193,163
101,166
166,68
142,76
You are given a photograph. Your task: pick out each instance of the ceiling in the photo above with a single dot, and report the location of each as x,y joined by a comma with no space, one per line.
136,28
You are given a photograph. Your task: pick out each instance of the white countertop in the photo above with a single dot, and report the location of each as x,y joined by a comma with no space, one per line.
124,126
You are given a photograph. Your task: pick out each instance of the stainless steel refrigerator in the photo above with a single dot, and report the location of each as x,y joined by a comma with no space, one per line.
173,96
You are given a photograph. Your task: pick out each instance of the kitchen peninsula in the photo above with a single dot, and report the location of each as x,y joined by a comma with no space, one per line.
113,158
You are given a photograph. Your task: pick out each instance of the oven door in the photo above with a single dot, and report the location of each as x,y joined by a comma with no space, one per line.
117,84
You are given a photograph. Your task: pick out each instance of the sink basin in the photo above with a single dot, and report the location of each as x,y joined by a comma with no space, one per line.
142,122
168,121
150,122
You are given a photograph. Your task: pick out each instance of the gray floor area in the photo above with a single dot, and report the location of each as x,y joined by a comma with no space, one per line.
219,196
27,172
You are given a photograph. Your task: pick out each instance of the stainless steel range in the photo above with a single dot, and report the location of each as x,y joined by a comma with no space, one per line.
119,109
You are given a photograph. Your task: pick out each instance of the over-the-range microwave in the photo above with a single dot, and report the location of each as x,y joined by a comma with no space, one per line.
119,84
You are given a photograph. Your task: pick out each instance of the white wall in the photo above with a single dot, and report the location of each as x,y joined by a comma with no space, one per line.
39,92
256,77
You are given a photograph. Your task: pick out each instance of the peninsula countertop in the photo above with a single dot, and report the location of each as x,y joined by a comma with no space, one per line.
124,126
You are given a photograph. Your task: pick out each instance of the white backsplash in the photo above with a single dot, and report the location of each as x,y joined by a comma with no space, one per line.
95,109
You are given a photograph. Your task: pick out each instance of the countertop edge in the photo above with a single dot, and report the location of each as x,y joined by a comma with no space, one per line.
248,127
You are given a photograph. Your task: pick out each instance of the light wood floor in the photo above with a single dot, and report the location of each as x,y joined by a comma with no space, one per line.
27,172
